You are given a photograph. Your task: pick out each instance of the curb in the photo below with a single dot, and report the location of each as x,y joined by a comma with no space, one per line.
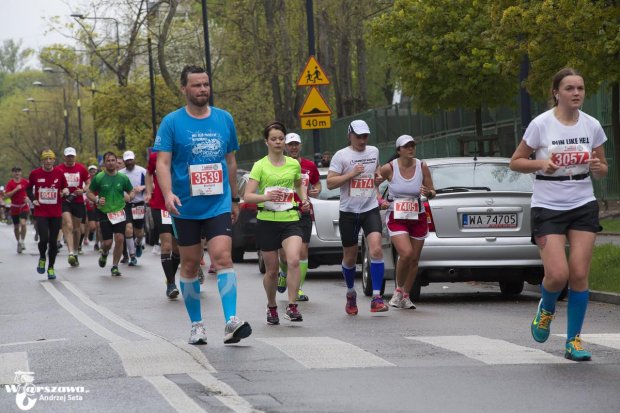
599,296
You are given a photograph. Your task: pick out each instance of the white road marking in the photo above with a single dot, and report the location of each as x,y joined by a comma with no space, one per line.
21,343
10,363
173,394
227,395
325,353
607,340
491,351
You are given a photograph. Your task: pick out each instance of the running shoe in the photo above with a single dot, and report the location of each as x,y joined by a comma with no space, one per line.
80,252
41,266
156,249
172,291
23,245
541,324
59,245
212,269
96,246
351,306
272,316
281,282
51,273
575,351
103,259
198,334
138,250
201,275
292,313
133,261
377,305
301,296
397,297
19,247
236,330
407,303
73,260
124,260
115,271
86,241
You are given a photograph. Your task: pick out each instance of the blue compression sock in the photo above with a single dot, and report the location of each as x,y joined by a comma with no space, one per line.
191,296
377,267
576,312
227,285
349,276
549,298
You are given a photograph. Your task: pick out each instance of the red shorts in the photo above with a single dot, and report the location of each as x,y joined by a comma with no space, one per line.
416,228
19,210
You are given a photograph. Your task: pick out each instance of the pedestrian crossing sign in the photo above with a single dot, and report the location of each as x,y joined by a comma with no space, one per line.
313,74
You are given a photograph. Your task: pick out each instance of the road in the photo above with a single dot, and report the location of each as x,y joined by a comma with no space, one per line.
118,345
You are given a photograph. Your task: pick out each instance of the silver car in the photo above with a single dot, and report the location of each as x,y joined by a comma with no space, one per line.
479,228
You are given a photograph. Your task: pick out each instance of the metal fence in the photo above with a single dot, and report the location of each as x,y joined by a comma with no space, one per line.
447,133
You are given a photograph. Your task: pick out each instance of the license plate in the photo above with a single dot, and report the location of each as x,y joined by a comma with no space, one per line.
490,220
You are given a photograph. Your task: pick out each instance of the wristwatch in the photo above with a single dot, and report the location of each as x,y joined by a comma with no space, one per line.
236,199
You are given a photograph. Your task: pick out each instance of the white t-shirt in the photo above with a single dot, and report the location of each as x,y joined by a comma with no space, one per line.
570,147
136,177
358,194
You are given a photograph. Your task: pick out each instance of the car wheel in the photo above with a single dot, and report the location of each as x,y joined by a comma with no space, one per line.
261,263
511,287
366,279
237,254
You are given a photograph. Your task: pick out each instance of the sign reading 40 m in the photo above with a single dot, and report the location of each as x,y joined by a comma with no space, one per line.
315,113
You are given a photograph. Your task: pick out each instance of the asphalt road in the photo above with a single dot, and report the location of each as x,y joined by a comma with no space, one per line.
118,345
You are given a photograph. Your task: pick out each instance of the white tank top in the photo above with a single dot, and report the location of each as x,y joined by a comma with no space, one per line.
400,187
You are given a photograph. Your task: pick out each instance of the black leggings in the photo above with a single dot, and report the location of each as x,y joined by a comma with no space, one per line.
48,229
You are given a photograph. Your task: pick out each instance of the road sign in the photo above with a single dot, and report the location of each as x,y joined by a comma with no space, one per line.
316,122
313,74
314,105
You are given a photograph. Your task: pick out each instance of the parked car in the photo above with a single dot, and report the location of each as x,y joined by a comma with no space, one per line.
479,228
244,229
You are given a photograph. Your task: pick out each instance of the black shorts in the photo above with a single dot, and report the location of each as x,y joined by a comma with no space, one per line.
22,215
92,215
351,223
77,210
270,234
108,229
305,223
191,231
137,223
161,227
550,221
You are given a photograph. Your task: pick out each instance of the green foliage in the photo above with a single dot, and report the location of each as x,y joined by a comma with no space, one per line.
605,268
12,57
611,225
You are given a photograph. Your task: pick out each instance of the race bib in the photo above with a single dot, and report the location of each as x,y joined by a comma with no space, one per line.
73,179
137,212
362,185
116,217
48,196
406,208
283,203
572,159
305,181
165,217
206,179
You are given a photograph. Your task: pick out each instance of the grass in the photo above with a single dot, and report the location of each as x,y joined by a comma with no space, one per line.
605,268
611,225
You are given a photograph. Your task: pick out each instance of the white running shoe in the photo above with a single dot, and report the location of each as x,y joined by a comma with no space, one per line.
407,303
235,330
397,297
198,335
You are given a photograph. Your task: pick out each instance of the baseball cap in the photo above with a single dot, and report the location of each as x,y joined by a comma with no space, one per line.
359,127
292,137
403,140
92,167
128,155
70,151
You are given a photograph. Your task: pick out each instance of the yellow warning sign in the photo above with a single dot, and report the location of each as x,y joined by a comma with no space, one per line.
313,74
314,105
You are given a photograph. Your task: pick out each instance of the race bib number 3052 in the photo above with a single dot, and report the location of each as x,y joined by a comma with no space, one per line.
206,179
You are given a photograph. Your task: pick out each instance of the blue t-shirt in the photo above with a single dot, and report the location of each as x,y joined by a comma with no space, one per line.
198,142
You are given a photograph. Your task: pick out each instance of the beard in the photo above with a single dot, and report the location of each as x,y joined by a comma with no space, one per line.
200,101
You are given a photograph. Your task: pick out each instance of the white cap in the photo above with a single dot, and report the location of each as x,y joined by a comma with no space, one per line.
70,151
292,137
128,155
403,140
92,167
359,127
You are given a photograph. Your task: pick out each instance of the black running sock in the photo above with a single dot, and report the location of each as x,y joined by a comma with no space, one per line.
81,241
167,264
176,260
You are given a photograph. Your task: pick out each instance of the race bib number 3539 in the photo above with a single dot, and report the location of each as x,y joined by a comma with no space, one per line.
206,179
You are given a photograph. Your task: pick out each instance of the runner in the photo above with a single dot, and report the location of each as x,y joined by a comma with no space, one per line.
196,147
73,210
134,209
273,181
49,185
20,210
93,232
355,170
114,190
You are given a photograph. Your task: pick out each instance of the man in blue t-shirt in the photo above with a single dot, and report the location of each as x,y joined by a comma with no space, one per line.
197,173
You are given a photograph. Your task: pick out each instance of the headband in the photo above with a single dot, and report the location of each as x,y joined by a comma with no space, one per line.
48,153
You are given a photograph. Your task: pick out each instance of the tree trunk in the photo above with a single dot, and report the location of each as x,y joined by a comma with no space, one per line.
615,128
479,121
272,61
161,47
288,114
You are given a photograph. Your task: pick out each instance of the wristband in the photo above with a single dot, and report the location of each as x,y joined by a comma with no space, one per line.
236,199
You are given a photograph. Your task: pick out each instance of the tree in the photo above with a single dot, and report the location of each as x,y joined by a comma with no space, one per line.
12,57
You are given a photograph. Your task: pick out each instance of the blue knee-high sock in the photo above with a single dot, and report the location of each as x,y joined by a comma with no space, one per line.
377,267
227,285
349,276
191,296
576,312
549,298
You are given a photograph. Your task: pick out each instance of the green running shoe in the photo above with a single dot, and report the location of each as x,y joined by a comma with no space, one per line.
73,261
281,282
51,274
575,351
115,271
41,266
541,324
102,260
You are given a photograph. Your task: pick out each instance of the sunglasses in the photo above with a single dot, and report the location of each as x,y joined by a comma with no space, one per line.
363,136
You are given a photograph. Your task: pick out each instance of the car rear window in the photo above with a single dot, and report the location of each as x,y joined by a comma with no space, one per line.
497,177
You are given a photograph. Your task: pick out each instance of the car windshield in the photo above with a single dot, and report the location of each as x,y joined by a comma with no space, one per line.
479,176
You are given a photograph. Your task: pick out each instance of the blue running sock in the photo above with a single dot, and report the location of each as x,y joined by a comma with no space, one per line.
191,297
549,298
227,285
377,267
349,276
576,312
